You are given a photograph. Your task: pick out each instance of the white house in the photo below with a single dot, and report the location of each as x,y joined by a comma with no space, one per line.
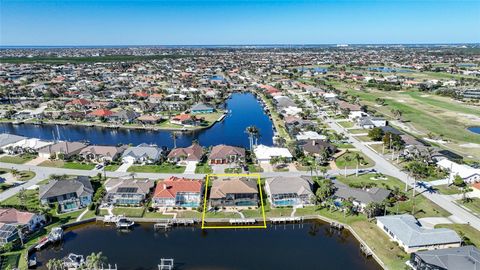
357,114
265,153
310,135
468,174
412,237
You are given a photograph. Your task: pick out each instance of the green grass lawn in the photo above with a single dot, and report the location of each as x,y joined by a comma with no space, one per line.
345,124
25,175
423,206
189,214
233,170
341,161
357,131
163,168
473,204
20,159
112,167
156,215
254,168
30,200
128,211
221,215
448,189
67,165
203,168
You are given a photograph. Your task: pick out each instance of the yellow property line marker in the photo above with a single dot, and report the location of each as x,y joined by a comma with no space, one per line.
264,226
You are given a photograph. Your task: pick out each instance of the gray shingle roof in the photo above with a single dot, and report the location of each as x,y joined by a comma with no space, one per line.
6,139
466,258
81,186
286,185
152,152
200,107
364,196
407,229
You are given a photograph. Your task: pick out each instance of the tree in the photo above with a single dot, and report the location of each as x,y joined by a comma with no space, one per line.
95,261
376,134
253,133
174,136
358,158
325,189
55,264
458,181
373,209
347,159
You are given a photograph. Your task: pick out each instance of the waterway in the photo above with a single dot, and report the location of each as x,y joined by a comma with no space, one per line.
299,246
244,110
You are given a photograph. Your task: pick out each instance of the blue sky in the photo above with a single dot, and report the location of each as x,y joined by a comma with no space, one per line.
188,22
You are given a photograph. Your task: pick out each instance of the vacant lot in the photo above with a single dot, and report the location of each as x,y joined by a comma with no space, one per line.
164,168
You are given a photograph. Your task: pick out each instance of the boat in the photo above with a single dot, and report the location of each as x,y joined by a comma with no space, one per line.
73,261
54,236
124,223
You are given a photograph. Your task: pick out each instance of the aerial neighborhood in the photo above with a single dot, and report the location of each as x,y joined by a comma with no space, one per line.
341,137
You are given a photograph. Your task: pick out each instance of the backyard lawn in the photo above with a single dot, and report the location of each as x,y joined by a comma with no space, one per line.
464,229
112,167
163,168
128,211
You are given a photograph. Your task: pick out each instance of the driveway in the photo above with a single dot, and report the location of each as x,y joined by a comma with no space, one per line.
191,165
124,167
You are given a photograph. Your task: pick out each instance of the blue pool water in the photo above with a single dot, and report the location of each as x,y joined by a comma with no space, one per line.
289,202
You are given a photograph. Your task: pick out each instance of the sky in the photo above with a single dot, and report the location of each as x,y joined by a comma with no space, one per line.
237,22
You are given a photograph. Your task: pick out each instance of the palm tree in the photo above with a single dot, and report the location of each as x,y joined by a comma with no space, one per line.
347,160
55,264
174,137
357,157
252,132
95,260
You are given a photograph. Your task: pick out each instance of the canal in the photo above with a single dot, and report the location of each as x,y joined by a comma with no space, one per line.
299,246
244,110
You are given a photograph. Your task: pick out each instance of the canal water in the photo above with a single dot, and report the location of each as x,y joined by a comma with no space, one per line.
244,110
299,246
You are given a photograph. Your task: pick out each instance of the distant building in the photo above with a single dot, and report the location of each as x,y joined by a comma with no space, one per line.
201,108
464,258
265,153
467,173
412,237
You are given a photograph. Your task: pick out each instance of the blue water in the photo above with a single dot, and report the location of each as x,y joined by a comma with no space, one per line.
315,69
289,202
217,78
244,110
387,69
474,129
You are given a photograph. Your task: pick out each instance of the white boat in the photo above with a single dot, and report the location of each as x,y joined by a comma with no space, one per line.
73,261
56,234
124,223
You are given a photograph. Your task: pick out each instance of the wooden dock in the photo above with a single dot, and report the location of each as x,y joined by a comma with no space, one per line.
242,221
286,220
166,264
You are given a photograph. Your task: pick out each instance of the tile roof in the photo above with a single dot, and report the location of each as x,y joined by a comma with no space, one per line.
222,187
171,186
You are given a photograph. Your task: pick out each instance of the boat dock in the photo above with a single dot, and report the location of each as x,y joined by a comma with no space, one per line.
166,264
167,223
286,220
242,221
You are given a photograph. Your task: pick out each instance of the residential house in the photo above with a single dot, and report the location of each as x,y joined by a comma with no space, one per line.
142,153
149,119
178,192
29,221
310,135
465,258
201,108
65,149
412,237
371,122
127,192
70,194
192,153
265,153
185,120
123,116
226,154
7,140
99,114
8,233
289,191
237,192
467,173
316,148
100,153
361,197
30,145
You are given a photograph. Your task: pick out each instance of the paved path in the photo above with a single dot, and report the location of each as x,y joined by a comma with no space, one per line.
191,166
82,214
